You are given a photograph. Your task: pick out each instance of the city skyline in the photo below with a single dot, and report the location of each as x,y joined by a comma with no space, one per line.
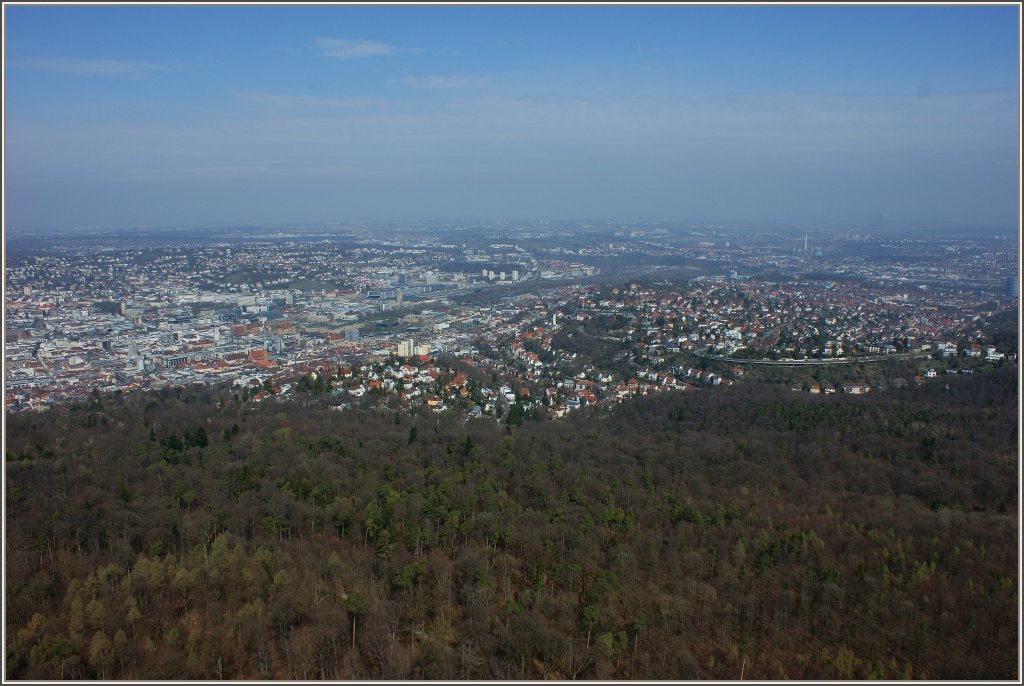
203,115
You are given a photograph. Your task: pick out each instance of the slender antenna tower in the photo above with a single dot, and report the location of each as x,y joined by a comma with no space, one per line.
805,242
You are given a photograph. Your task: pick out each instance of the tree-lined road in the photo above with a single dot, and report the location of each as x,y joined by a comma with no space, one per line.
803,363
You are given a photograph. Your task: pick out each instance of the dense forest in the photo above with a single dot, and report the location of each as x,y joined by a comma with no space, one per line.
748,532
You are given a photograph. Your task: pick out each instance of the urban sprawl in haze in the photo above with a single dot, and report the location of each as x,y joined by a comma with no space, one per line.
394,312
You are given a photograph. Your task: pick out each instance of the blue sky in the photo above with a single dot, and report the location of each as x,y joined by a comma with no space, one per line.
214,115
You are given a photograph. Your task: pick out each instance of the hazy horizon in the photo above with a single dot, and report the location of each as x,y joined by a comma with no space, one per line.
845,116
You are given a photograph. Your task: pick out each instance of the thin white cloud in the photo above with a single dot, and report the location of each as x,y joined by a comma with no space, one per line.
446,81
87,67
349,48
307,102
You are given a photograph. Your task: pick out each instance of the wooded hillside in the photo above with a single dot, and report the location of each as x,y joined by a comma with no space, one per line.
690,535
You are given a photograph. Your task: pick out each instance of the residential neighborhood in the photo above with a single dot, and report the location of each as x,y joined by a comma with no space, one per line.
485,328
